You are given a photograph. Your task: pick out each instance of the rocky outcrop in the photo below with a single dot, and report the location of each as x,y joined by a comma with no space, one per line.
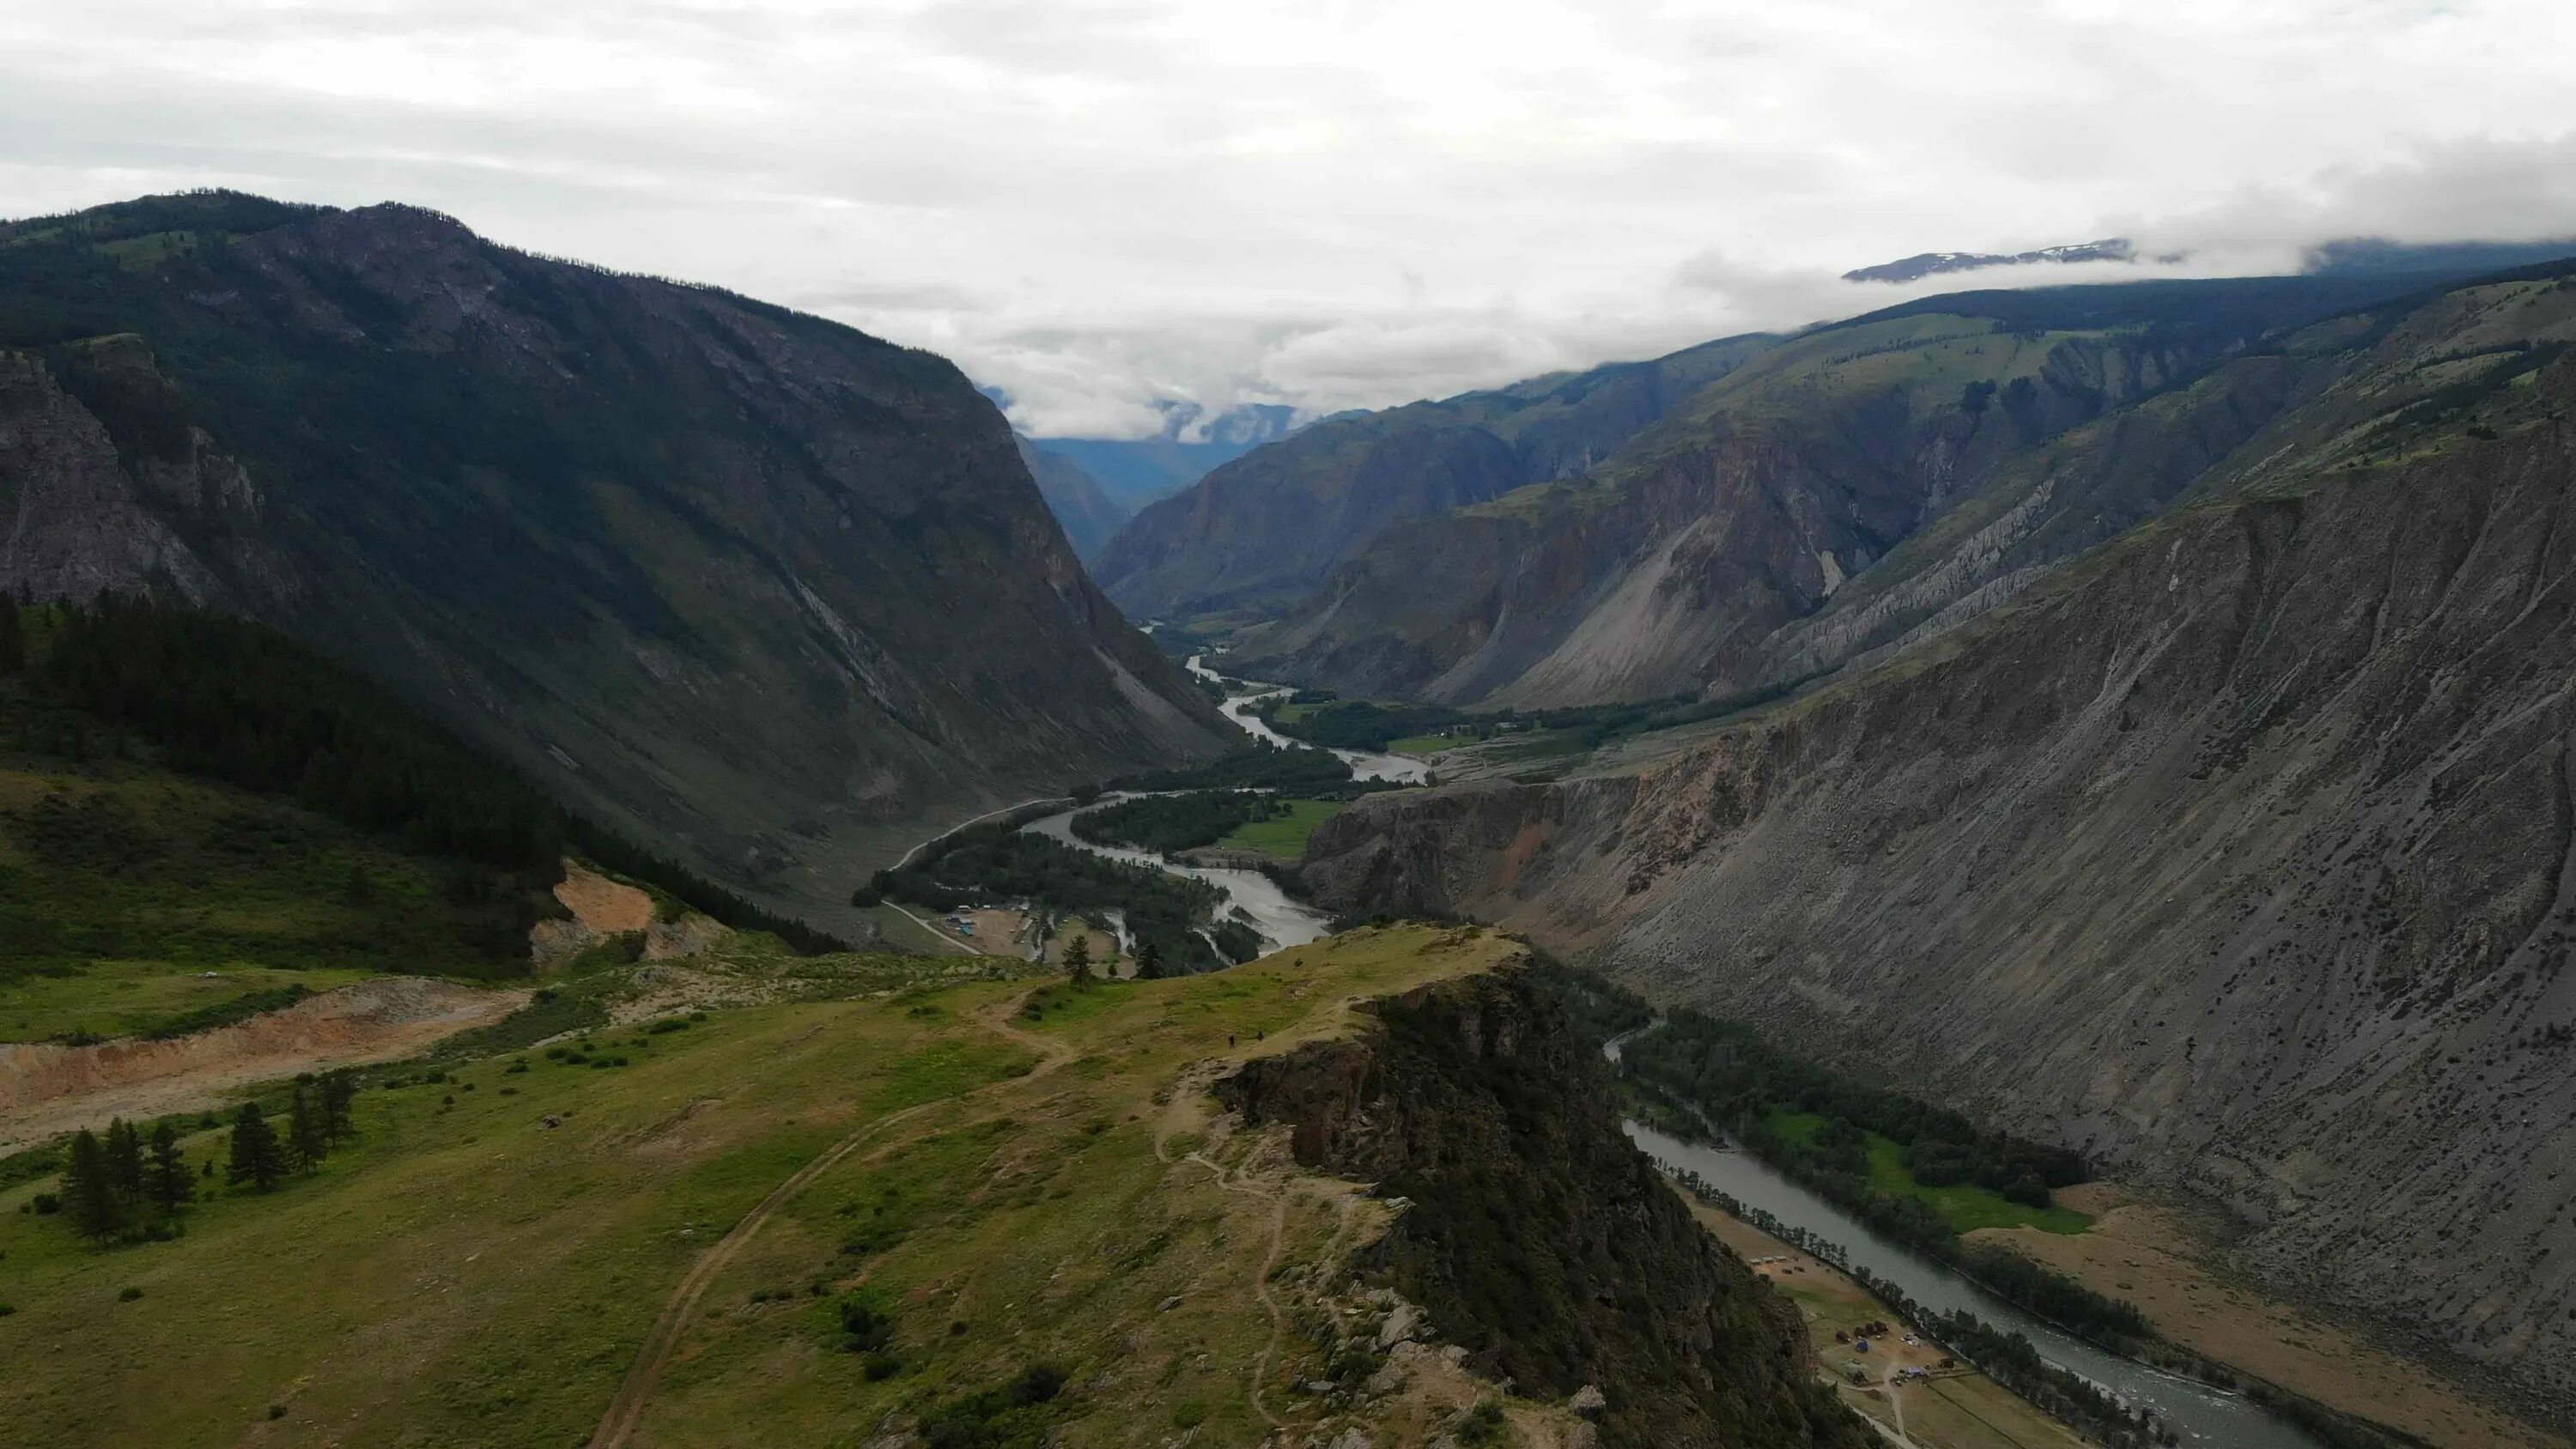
1868,485
770,593
1536,1236
2240,855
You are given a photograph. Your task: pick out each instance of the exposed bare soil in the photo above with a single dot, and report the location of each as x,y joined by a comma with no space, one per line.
602,904
48,1089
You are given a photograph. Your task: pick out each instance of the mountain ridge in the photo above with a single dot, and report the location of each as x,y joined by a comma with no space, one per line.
2233,853
694,562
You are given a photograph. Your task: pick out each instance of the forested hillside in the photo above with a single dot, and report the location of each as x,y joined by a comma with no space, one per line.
765,590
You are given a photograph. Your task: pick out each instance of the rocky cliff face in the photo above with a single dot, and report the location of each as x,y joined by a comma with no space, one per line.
1537,1236
764,590
2239,855
1264,530
1862,486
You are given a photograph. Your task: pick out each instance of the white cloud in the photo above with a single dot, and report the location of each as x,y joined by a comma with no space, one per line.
1095,205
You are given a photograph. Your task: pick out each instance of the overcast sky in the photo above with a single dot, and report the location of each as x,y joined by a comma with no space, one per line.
1325,204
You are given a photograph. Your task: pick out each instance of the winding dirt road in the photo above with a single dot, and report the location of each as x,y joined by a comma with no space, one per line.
626,1410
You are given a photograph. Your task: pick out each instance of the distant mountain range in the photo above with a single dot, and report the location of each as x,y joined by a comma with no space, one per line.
2356,254
1132,472
1927,264
2138,710
759,588
1086,510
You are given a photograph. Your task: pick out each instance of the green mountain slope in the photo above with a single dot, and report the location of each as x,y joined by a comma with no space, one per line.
759,588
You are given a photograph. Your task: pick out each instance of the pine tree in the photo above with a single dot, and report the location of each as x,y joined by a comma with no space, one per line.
168,1179
257,1157
1077,958
92,1195
1149,961
124,1148
308,1135
13,639
339,1094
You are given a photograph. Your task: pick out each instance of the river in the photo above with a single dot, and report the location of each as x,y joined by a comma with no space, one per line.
1281,921
1365,764
2202,1415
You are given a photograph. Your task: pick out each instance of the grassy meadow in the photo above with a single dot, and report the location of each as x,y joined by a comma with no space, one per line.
1000,1171
1284,837
1964,1206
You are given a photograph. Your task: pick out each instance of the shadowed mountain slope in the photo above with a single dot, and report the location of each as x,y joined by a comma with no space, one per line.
755,586
1088,515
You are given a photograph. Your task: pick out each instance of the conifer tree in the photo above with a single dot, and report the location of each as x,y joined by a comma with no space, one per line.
124,1148
168,1179
308,1138
257,1156
13,639
339,1094
1077,958
92,1195
1149,961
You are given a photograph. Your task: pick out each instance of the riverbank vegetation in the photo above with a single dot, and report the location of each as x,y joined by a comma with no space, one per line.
1928,1172
1169,824
1318,717
1692,1072
1292,771
1271,825
1282,835
991,864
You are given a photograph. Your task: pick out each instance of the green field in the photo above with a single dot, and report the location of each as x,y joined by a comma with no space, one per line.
131,998
483,1264
1964,1206
1284,838
1427,744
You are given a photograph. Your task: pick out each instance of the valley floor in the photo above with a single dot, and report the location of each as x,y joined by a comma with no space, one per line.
1949,1409
2155,1257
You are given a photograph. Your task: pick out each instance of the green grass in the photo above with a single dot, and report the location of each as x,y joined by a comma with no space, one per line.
1964,1206
131,998
1426,744
1284,838
131,897
465,1274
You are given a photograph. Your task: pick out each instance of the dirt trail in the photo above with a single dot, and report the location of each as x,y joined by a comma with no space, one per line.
48,1089
626,1410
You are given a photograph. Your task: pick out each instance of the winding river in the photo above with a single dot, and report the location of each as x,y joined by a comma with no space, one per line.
2202,1415
1281,921
1365,764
